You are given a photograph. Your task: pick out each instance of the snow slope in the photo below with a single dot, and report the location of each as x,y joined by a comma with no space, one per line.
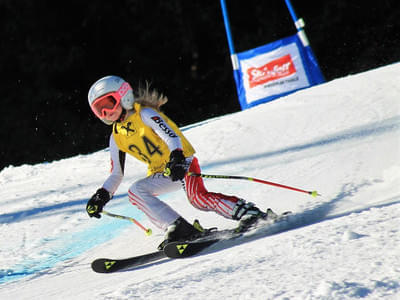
341,138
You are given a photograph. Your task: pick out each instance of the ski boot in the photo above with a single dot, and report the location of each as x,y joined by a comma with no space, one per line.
181,230
249,215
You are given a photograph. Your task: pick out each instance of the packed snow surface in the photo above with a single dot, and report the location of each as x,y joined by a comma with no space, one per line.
341,138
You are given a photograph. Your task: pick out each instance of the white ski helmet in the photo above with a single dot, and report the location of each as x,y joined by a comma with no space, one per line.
110,84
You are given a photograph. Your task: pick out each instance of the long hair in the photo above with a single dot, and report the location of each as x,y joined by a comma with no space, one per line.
151,98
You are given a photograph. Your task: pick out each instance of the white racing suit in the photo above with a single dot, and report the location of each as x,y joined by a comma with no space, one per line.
150,136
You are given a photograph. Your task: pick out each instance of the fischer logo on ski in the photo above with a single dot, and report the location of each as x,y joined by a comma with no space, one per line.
181,248
109,264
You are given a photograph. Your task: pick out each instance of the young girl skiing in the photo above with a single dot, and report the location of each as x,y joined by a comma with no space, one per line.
143,131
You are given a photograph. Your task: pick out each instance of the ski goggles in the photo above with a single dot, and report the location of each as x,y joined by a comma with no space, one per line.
105,105
108,103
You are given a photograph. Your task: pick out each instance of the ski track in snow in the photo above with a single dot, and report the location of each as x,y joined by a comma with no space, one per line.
341,138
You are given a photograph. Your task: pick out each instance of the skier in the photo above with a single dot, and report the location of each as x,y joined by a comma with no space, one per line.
143,131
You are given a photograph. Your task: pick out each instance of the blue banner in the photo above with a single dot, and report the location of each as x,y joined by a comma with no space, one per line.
274,70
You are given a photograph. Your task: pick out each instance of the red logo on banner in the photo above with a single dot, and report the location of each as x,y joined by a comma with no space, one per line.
278,68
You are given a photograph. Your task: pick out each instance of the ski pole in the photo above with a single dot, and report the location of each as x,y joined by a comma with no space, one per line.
147,231
312,193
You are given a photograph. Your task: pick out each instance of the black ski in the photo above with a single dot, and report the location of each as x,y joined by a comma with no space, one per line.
107,265
187,249
172,250
190,248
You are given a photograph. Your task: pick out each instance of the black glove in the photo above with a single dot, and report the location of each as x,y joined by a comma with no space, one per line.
176,167
95,205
